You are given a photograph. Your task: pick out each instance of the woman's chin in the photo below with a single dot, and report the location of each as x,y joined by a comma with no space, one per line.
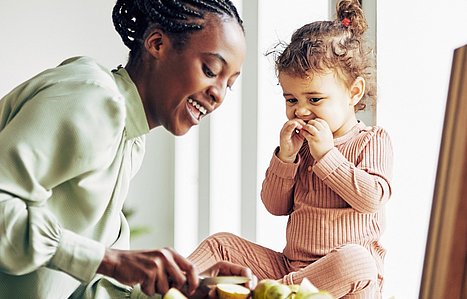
180,131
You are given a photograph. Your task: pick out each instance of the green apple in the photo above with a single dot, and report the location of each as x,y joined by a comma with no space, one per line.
262,286
294,287
278,291
293,290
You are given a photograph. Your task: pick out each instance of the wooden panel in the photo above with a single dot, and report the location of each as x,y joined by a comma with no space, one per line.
444,271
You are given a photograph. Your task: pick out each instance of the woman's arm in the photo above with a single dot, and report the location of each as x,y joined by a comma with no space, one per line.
46,141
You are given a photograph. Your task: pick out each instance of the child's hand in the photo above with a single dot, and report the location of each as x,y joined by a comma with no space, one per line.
319,137
291,140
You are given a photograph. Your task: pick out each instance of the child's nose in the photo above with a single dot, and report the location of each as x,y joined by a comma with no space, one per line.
303,111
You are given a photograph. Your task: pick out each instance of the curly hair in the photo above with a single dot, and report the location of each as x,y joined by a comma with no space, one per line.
177,18
336,45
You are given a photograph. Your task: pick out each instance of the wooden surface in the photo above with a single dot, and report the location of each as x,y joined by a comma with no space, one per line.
444,272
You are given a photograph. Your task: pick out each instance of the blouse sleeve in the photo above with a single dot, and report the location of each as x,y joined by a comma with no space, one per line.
365,186
48,140
277,190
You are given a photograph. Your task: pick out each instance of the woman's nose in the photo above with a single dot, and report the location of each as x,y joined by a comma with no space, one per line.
217,93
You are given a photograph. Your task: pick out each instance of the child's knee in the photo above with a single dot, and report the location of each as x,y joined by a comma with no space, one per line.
356,261
218,240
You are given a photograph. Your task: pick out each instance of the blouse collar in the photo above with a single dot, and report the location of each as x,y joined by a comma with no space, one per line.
136,123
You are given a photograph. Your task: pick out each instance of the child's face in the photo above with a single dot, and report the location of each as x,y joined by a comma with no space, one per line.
322,96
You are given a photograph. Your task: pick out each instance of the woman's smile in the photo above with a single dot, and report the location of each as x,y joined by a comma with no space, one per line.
196,110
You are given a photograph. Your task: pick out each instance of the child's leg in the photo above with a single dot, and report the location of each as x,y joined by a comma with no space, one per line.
346,272
263,262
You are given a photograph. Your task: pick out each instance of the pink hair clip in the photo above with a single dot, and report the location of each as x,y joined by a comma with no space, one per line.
346,22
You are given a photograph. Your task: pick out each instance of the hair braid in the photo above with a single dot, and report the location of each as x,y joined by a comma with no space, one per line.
206,5
167,10
177,18
168,19
175,4
128,21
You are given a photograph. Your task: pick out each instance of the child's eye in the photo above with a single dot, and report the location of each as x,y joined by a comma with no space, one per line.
207,71
315,100
291,101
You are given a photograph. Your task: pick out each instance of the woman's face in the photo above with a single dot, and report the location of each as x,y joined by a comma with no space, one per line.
183,86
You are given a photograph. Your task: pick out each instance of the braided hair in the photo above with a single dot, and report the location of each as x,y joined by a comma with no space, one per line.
332,45
177,18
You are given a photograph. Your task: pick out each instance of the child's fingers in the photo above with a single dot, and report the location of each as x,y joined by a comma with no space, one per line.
319,124
311,129
292,126
305,133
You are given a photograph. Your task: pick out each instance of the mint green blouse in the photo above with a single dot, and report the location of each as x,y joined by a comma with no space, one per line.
71,139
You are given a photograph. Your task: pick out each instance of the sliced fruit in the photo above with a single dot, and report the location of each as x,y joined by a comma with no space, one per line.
232,291
319,295
174,293
307,286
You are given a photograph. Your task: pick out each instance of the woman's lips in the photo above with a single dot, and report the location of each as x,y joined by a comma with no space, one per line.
196,109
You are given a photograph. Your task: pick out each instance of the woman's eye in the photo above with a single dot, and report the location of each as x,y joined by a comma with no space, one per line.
315,100
207,71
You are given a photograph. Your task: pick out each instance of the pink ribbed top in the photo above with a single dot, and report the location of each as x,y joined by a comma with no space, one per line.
337,200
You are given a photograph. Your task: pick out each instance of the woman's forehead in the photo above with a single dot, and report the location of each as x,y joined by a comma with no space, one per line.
223,37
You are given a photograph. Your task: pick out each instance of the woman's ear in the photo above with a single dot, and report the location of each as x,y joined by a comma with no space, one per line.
156,43
357,90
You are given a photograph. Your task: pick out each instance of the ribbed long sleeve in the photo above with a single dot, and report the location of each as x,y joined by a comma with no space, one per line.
336,200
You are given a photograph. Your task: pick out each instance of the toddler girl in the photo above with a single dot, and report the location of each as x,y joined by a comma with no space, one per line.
331,173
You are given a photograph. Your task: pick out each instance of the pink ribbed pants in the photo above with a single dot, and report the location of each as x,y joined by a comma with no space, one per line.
347,272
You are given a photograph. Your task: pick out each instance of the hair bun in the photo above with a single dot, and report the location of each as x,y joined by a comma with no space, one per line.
350,15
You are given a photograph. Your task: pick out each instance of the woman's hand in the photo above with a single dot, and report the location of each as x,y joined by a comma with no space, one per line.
319,137
291,140
155,270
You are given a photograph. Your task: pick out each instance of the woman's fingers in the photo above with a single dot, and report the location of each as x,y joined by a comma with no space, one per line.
162,280
176,271
190,274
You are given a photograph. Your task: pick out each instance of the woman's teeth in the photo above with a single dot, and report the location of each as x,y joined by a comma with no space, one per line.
198,106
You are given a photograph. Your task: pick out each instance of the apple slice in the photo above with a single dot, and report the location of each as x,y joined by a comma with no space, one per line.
232,291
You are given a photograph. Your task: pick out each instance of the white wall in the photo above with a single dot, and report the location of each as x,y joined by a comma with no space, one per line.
40,34
416,40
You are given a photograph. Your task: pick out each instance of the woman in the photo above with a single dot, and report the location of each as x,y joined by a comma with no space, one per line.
73,136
